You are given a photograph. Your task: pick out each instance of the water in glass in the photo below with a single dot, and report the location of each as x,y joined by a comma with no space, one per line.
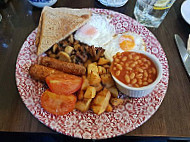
151,13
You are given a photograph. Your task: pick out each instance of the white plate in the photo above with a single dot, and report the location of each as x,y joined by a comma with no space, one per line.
185,11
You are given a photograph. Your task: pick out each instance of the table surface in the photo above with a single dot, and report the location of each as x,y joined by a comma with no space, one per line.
20,18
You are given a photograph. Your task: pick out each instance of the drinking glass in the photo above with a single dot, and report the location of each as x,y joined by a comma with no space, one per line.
151,13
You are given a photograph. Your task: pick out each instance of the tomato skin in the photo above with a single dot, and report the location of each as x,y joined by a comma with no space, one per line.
58,104
64,83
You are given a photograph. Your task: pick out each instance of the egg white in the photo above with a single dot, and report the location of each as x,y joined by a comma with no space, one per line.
113,46
105,31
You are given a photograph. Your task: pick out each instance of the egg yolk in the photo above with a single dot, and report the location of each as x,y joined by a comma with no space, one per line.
88,30
127,42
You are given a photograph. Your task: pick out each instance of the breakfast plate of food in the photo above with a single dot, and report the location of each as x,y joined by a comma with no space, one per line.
91,73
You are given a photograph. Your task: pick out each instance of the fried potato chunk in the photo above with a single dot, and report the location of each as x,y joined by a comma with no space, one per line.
87,63
94,78
101,101
99,87
90,92
101,70
92,67
107,80
83,105
109,108
116,101
80,95
114,92
85,83
103,61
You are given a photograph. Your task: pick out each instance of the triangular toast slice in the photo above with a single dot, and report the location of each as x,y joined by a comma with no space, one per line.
58,23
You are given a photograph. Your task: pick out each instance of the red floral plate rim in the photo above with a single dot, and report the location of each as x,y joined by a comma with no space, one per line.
124,118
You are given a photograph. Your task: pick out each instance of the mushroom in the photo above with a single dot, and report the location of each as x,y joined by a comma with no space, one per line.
63,56
69,49
71,39
54,48
83,57
96,53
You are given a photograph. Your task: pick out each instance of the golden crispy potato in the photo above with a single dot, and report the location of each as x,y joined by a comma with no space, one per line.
107,80
94,78
92,67
101,101
83,105
101,70
85,83
109,108
90,92
114,92
80,95
103,61
99,87
87,63
116,101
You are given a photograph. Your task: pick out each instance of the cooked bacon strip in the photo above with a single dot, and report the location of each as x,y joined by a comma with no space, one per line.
66,67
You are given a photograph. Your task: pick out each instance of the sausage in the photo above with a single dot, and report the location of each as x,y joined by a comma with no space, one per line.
39,72
66,67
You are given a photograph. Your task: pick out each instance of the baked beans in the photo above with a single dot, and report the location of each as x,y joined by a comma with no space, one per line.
136,70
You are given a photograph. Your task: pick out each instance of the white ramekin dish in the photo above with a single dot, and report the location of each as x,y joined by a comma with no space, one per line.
141,91
113,3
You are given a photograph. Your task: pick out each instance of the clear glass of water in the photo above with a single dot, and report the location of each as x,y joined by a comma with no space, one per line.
151,13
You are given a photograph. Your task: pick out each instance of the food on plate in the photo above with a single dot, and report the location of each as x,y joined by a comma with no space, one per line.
107,80
109,108
101,101
66,67
71,50
137,70
94,78
116,101
92,67
83,105
97,31
103,61
85,83
58,104
63,83
114,92
39,72
90,92
80,95
98,78
57,23
124,42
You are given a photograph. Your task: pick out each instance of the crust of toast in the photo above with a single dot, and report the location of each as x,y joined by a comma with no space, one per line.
58,23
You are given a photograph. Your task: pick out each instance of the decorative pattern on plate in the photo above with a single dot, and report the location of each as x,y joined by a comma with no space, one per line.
123,119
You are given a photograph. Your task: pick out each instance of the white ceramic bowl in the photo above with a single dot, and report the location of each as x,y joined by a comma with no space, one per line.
42,3
141,91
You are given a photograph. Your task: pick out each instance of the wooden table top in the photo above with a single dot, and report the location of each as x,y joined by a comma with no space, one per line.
20,18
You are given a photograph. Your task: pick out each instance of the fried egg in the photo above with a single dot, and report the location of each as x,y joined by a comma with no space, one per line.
124,42
98,31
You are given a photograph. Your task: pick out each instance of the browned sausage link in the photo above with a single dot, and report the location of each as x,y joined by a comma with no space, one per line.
66,67
39,72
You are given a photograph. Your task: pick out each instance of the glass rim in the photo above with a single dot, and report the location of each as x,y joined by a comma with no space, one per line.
170,3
